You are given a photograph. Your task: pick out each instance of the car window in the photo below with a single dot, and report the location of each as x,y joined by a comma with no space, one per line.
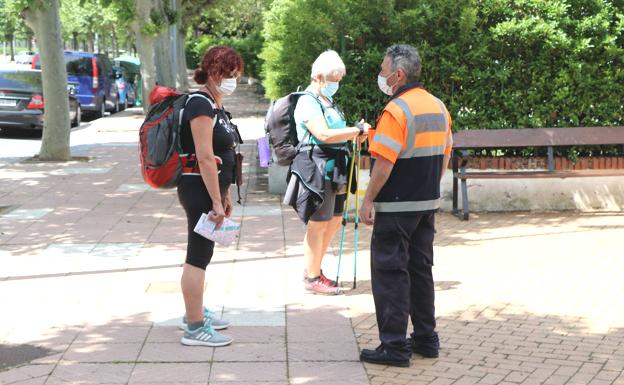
78,65
29,81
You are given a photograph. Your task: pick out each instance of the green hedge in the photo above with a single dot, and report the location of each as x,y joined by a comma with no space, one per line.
495,63
248,47
234,23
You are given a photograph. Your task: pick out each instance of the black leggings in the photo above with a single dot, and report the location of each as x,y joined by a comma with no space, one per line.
195,200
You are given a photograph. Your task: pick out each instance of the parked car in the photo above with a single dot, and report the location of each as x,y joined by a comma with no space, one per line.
25,57
22,103
97,90
132,74
127,93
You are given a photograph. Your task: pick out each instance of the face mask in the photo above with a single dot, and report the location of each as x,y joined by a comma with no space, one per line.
382,82
227,86
330,89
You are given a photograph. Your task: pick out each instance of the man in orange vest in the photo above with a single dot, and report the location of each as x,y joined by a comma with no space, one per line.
411,145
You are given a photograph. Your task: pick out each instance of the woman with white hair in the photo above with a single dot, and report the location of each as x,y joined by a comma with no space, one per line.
318,176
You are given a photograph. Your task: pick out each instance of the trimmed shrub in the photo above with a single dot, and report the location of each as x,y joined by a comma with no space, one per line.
495,63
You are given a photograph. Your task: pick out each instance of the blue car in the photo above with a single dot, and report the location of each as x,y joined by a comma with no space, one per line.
125,88
97,88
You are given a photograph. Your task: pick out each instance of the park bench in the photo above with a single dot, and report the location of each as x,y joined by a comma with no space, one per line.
525,138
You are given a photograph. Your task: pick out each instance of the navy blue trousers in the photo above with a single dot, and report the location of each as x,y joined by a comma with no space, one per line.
402,281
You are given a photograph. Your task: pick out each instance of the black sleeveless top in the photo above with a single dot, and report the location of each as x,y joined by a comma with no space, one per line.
224,135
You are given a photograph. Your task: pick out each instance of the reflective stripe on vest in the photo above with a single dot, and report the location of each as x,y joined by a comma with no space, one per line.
406,206
433,122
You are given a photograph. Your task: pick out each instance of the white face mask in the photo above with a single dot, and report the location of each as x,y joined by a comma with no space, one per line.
227,86
382,82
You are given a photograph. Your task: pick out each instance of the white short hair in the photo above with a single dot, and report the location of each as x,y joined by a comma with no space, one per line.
328,63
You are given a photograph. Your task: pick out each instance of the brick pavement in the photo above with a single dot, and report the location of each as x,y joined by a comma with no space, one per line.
89,286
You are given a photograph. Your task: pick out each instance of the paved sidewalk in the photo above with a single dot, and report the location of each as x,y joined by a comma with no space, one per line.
89,281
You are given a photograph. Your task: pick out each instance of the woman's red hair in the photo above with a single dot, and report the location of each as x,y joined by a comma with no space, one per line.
220,62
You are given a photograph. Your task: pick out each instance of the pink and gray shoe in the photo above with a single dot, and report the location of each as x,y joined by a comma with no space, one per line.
320,286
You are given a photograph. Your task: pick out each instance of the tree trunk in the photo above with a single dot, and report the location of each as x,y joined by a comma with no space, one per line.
163,58
182,75
114,42
45,22
75,41
144,47
12,46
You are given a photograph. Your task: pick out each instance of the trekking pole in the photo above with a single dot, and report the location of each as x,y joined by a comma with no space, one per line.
345,216
356,156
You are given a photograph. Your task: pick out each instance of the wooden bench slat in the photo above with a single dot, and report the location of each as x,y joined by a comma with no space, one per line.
541,174
538,137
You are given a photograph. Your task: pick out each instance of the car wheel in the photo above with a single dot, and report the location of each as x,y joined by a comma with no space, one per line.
102,111
77,120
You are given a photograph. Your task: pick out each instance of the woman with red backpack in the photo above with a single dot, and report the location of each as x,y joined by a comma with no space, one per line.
210,139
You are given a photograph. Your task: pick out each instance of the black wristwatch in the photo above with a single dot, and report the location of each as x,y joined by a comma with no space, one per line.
360,126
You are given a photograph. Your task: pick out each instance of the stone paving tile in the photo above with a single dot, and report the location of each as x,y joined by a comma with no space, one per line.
127,187
327,372
323,351
116,250
26,214
117,352
248,371
249,383
91,373
251,352
109,334
262,211
25,373
164,334
81,171
313,333
257,334
242,317
175,352
33,381
168,373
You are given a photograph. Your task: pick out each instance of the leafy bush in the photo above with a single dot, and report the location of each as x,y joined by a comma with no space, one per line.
495,63
234,23
248,47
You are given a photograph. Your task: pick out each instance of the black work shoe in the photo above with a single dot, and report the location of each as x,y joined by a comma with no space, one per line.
427,347
382,357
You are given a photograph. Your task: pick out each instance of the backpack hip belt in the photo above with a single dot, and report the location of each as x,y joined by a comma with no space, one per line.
190,165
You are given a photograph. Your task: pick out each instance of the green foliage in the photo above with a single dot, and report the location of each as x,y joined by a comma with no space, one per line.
248,47
295,33
495,63
82,19
11,21
234,23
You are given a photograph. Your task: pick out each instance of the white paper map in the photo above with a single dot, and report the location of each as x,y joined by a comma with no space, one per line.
224,235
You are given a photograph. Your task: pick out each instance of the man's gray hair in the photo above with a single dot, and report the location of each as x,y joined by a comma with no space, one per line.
327,64
405,57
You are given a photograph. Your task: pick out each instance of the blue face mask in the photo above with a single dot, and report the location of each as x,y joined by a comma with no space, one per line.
330,89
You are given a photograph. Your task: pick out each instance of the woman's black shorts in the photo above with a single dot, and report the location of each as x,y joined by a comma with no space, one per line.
195,200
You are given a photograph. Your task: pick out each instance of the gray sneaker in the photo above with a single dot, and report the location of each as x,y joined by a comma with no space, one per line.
217,323
205,336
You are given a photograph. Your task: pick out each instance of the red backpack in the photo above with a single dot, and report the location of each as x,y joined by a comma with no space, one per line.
160,149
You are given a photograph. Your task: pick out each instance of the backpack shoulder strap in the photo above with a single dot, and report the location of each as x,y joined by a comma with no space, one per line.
192,95
197,94
306,139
